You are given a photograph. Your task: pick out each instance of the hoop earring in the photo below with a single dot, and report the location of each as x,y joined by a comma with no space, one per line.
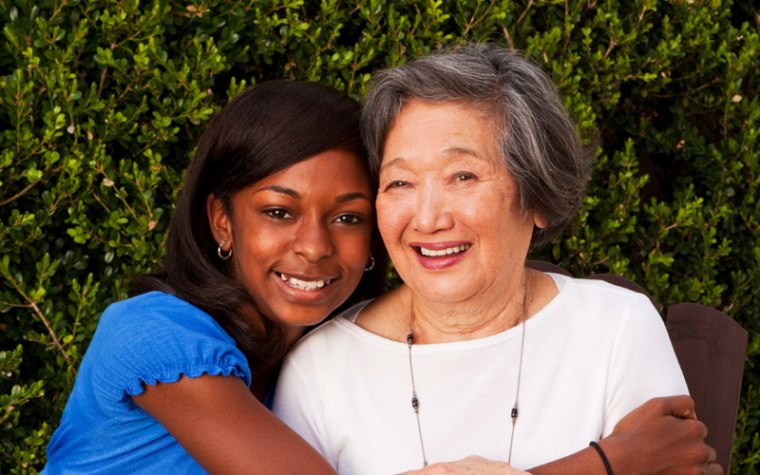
220,251
370,264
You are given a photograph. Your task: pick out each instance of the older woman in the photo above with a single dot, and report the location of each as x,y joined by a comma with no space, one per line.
475,353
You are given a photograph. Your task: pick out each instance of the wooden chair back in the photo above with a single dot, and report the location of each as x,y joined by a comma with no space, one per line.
711,349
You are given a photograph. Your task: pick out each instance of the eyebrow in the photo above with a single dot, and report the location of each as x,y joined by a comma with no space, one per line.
293,193
462,151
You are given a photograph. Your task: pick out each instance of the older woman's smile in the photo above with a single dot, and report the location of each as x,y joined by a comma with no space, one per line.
433,250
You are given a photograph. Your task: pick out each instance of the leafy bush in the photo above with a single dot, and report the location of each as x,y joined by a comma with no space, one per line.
101,104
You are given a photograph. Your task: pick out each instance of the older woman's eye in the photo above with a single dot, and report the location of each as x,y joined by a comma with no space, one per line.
277,213
395,184
464,176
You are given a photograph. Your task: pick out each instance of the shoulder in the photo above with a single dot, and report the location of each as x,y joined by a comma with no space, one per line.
337,337
597,306
594,292
157,337
154,319
335,329
161,312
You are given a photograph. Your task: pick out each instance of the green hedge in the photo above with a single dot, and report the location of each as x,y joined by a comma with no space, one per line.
101,104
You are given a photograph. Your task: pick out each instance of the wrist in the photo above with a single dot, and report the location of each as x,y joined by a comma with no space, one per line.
616,454
602,456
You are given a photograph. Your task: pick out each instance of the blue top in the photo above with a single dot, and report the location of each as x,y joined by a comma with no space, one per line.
147,339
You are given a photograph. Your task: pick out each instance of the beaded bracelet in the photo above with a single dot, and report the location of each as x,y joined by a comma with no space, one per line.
602,456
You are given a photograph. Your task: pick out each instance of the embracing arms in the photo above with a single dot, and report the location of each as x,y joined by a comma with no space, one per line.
226,429
222,425
662,436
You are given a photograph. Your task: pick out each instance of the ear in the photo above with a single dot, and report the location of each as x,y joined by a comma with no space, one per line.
539,221
219,221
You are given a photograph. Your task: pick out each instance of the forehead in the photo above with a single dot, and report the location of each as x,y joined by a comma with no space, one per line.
332,170
444,129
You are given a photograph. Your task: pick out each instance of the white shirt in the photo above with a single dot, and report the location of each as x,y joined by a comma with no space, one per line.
591,355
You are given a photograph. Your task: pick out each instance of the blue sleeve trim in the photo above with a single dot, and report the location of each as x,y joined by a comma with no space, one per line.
139,386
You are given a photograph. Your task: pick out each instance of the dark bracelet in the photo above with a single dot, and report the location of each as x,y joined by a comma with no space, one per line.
602,456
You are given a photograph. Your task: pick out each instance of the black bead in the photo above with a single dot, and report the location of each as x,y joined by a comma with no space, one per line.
415,403
410,338
514,413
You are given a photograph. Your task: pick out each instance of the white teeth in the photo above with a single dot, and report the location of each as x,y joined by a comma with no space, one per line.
443,252
304,284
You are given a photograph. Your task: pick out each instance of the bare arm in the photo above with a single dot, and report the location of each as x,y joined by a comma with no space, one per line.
662,436
227,430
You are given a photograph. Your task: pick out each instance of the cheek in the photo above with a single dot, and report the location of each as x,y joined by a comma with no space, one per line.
256,251
392,213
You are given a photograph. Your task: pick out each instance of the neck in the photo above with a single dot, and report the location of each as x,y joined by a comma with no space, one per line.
262,381
435,322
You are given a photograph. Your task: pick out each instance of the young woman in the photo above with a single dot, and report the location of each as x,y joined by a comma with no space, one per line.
272,232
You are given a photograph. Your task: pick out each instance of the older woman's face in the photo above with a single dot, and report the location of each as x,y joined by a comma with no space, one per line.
447,206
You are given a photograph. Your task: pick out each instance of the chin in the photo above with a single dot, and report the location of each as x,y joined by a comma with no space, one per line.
449,292
304,317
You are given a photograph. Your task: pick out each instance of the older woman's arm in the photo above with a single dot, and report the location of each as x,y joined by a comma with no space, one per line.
662,436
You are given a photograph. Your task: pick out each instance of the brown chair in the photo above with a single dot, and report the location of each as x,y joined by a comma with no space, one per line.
545,266
711,348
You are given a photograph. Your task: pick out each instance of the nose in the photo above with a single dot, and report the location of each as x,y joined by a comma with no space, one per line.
433,212
312,240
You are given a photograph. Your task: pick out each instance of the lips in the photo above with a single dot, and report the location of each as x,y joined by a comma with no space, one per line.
305,283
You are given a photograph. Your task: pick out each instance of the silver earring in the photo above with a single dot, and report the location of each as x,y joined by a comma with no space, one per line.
370,264
220,251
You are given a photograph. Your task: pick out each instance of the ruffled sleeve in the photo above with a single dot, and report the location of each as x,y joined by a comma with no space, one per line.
156,338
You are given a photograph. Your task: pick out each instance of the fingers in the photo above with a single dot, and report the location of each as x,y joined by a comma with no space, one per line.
678,406
714,469
713,455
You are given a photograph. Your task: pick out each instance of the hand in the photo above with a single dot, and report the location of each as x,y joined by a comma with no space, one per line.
662,436
471,465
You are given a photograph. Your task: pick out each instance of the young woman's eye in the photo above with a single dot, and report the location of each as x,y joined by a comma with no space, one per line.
349,219
277,213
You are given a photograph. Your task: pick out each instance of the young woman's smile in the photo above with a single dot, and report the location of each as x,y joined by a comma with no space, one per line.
300,243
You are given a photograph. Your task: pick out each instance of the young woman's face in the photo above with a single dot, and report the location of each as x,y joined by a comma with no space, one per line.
301,237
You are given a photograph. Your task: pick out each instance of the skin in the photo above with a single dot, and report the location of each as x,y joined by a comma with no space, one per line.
300,224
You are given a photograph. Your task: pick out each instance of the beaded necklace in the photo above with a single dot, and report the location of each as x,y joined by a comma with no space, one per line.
514,413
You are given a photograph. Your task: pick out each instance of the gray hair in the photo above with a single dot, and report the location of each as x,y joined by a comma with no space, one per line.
538,140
